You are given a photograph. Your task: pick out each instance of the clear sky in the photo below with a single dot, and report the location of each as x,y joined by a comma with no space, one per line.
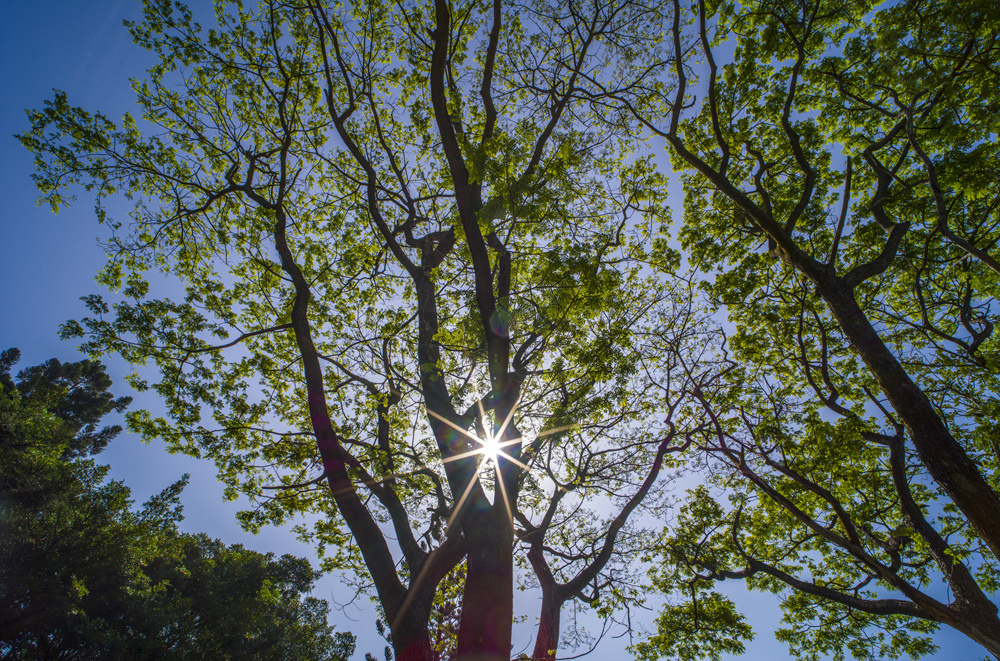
47,263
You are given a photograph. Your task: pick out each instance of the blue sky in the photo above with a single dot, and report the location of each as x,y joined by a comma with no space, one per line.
47,263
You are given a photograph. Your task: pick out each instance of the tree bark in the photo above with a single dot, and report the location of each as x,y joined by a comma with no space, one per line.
488,601
547,640
410,638
980,627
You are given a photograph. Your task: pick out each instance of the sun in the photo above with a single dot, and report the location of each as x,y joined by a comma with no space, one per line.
491,447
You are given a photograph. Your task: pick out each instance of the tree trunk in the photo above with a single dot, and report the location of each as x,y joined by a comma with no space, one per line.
943,456
547,641
488,600
984,628
410,638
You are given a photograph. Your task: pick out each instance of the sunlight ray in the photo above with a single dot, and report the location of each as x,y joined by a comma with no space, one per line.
510,416
490,449
482,417
470,453
412,589
463,455
451,424
554,430
465,496
503,494
514,461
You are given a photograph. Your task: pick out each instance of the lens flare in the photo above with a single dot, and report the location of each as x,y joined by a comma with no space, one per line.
491,447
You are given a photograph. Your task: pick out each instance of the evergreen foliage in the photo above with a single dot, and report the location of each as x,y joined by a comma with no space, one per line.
83,575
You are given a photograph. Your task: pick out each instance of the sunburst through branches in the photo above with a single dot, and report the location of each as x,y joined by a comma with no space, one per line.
490,447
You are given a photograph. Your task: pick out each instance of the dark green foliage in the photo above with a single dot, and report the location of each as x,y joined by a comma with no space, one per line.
84,576
213,601
76,397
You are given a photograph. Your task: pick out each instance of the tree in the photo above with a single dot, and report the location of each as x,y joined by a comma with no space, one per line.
840,188
67,399
228,602
85,576
420,287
